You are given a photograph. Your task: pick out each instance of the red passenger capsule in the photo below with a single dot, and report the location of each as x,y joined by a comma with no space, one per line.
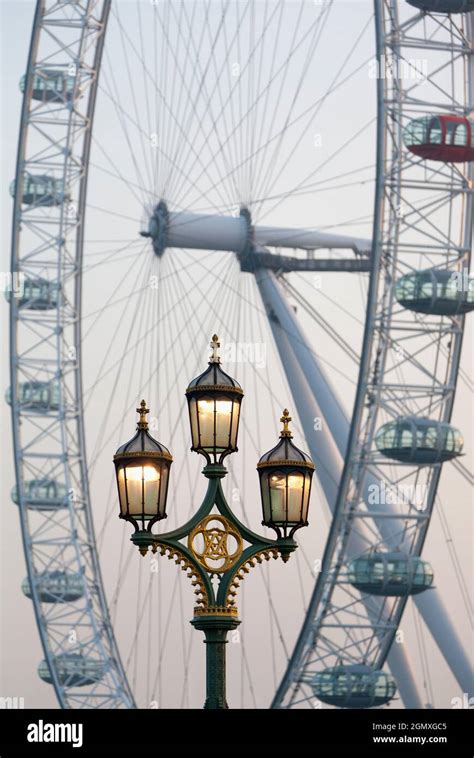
444,138
443,6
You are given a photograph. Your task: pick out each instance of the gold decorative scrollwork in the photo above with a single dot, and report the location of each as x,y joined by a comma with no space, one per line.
210,543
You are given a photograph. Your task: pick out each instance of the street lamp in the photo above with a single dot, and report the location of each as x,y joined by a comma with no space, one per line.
214,400
285,483
142,467
214,543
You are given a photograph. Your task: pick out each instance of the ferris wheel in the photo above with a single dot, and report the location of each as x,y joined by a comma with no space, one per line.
297,177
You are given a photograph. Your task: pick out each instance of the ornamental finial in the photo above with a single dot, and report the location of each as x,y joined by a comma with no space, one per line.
285,420
215,344
142,410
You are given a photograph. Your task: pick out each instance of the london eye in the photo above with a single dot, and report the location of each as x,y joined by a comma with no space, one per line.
297,177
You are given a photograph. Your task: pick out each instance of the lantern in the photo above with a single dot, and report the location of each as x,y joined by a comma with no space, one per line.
285,483
142,468
214,400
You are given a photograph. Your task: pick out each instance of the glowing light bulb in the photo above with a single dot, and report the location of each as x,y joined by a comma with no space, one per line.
295,482
147,473
224,406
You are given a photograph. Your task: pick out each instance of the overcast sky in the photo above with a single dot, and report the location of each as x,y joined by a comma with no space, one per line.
350,112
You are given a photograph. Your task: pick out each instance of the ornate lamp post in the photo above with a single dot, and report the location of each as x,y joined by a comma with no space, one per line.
213,542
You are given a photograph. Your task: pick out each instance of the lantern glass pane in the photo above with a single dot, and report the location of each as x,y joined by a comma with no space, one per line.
266,501
307,491
122,492
163,490
286,494
194,422
295,496
223,423
214,418
277,484
205,414
142,484
235,425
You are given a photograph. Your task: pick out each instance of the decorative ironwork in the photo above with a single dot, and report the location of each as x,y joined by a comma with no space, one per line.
185,564
244,568
215,540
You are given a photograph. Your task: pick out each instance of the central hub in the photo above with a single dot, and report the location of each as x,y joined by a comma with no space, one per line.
237,234
199,231
158,228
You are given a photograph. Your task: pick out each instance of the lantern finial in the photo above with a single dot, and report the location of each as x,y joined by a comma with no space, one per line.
285,420
215,344
142,410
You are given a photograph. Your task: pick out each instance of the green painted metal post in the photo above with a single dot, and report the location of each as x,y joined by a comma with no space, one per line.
215,628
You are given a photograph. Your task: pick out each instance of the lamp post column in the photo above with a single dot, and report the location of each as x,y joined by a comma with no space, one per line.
215,628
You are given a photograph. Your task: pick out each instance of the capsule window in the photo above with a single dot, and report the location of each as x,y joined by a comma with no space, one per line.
406,438
377,571
470,290
449,442
449,289
419,574
426,289
391,566
435,133
357,687
456,134
406,288
458,441
427,438
390,436
325,682
415,133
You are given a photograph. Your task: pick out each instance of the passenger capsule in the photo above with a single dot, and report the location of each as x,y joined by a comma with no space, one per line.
419,440
51,85
35,294
436,291
73,670
443,6
41,190
445,138
42,494
56,586
37,396
394,574
353,686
